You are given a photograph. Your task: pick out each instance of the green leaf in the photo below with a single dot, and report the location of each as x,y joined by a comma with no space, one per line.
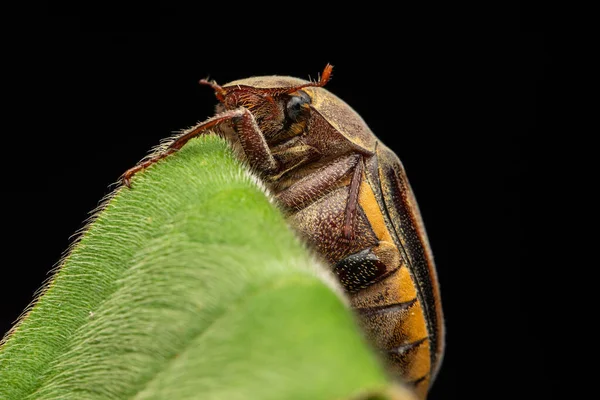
190,285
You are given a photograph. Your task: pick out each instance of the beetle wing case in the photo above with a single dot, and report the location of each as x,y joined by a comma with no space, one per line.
343,119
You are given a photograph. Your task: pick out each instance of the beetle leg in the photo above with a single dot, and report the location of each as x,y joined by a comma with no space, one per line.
311,187
250,136
254,143
292,158
126,177
352,204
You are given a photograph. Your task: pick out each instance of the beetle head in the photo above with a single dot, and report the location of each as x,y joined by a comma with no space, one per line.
279,105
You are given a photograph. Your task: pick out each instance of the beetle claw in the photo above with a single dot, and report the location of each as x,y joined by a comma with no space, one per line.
126,180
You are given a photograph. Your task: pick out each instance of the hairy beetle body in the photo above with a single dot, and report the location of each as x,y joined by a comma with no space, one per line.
348,196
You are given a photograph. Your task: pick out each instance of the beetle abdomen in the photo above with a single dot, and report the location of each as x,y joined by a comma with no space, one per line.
321,224
393,319
375,274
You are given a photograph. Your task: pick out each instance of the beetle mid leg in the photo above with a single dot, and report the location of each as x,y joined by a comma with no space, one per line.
314,185
250,136
292,156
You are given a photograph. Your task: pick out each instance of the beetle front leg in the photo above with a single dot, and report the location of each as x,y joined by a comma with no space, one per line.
251,139
313,186
257,151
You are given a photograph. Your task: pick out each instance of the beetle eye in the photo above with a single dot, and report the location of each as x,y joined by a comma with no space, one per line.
297,105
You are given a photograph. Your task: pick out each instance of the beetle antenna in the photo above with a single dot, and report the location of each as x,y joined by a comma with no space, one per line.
325,76
323,79
219,91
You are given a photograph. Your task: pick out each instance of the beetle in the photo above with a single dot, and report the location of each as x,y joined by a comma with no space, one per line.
348,197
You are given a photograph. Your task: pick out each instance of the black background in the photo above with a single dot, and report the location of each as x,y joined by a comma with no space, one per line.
88,96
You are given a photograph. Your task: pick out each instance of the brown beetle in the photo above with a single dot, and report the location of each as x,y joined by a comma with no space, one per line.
347,195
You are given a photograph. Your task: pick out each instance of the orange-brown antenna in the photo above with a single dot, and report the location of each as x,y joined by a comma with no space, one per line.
325,77
219,91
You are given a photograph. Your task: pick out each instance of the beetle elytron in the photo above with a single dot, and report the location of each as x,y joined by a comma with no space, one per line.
348,196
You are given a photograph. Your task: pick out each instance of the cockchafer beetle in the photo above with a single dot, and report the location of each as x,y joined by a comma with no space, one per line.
348,196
